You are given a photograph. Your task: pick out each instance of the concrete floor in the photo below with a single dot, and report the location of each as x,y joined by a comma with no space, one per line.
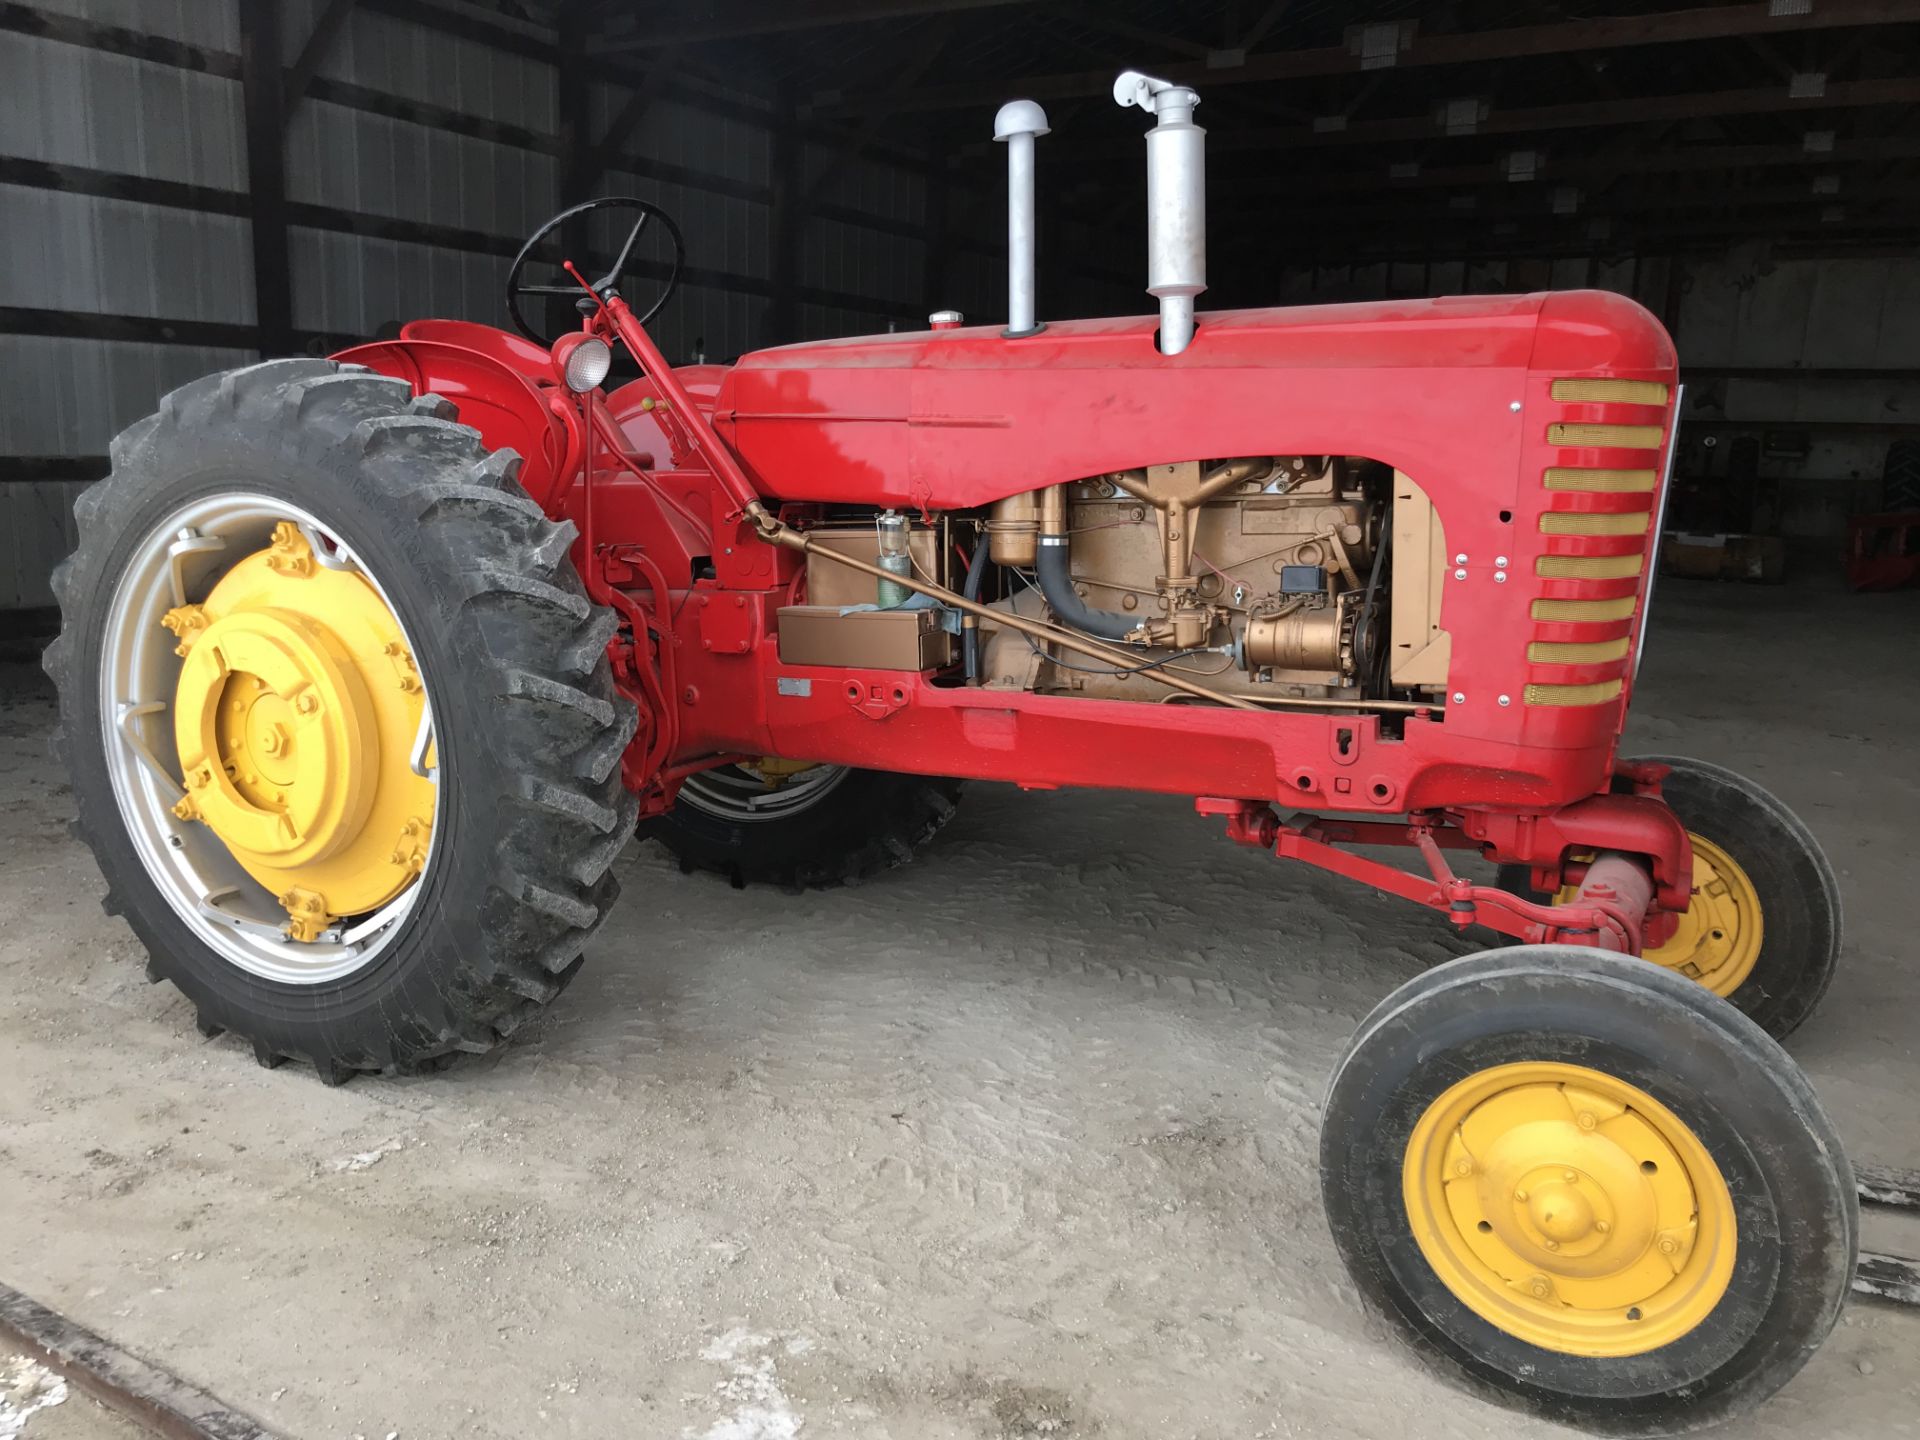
1015,1143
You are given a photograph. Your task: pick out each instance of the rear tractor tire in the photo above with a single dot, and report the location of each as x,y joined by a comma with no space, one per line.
342,731
1764,928
802,826
1588,1189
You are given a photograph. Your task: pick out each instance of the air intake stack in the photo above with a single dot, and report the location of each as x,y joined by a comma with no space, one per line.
1018,125
1176,201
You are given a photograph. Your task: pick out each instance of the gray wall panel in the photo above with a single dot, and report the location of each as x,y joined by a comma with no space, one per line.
400,58
107,112
214,24
78,252
70,397
836,255
352,285
36,531
352,160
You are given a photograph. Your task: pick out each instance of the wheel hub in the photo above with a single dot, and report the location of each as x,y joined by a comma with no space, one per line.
766,788
1717,941
294,713
1569,1209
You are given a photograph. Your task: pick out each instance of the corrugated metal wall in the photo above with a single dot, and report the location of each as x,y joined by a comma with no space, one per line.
107,116
124,170
66,105
1744,324
1854,326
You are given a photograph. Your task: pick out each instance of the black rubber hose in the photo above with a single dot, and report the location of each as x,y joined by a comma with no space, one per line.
970,632
1056,583
1363,633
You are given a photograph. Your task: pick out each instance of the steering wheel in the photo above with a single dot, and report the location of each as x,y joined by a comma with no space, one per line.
606,285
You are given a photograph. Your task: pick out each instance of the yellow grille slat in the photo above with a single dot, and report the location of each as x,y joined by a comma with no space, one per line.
1606,437
1634,522
1596,652
1578,612
1589,567
1613,482
1610,392
1596,694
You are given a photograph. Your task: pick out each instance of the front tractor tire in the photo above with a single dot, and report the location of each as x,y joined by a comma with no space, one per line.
800,827
1588,1189
1764,927
342,731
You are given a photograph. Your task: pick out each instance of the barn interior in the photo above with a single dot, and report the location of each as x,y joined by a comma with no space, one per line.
1017,1141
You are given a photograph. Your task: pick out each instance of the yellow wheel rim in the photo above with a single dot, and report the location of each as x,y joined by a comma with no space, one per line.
295,716
1569,1209
1717,940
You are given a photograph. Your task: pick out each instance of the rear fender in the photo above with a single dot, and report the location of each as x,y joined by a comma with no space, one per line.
512,409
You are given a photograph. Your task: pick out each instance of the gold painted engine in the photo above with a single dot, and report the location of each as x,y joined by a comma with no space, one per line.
1263,575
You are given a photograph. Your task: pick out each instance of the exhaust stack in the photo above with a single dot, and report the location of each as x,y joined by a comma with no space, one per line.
1019,124
1176,201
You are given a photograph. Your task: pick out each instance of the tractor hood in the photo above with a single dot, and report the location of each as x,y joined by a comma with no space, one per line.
955,418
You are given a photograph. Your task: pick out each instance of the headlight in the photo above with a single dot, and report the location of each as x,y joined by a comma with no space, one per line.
587,364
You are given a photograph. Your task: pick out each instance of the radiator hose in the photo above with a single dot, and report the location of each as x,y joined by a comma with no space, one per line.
1056,583
970,589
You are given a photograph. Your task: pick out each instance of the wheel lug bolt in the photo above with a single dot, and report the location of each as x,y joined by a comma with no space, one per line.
1603,1226
1668,1246
1521,1196
1570,1176
1463,1167
1551,1244
1587,1122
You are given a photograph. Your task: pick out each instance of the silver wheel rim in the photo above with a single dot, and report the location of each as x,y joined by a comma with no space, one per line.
733,792
225,908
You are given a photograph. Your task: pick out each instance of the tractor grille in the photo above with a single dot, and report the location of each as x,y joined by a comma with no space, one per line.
1595,533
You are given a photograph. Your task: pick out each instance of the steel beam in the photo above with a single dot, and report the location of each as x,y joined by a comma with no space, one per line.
1567,37
117,40
313,54
736,19
264,104
1700,159
1578,115
787,219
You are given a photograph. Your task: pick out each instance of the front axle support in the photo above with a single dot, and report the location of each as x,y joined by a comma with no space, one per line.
1613,911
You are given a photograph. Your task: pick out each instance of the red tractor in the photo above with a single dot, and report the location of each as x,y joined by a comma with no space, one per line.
372,665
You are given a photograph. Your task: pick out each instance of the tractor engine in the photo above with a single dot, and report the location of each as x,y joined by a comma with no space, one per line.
1262,574
1280,577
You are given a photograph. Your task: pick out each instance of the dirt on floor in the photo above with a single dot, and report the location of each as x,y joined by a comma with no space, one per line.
1016,1142
34,1400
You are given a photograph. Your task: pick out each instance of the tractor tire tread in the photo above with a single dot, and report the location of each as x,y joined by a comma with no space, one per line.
519,610
889,822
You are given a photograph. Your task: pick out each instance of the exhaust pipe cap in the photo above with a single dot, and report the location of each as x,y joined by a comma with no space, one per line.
1132,87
